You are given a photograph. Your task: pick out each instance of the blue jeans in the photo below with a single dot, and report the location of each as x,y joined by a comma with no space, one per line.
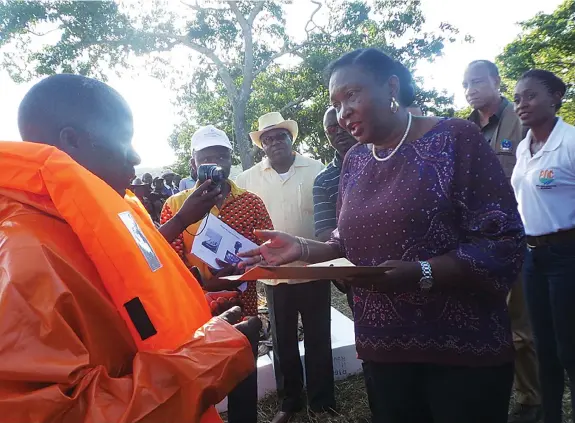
549,281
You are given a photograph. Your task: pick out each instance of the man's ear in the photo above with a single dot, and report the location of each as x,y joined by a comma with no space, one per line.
497,82
193,164
69,140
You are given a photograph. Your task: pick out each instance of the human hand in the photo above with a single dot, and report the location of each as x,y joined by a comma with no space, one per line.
222,301
232,316
199,203
217,284
251,328
402,275
279,248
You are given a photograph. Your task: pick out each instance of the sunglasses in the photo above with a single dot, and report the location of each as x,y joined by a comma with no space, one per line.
270,139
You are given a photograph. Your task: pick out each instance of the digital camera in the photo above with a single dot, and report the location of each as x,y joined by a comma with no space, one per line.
211,171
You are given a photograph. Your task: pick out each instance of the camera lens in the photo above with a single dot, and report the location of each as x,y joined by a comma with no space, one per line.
211,171
218,176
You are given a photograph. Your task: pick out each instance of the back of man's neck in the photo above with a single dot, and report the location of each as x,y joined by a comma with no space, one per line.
283,167
489,110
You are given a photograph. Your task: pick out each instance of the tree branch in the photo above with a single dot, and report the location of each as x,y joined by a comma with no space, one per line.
223,71
296,102
191,6
197,7
255,12
318,6
239,16
246,26
43,33
294,49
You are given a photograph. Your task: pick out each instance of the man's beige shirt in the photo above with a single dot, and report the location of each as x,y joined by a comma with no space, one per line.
290,201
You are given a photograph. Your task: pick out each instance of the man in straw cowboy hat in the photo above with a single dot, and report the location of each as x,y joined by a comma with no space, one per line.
284,181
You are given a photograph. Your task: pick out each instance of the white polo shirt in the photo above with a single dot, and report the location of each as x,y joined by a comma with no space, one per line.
544,184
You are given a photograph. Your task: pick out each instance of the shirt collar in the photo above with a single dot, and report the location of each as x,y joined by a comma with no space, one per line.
337,160
555,137
298,162
552,143
474,116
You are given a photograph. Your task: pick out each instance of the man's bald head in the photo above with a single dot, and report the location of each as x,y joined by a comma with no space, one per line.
85,118
68,100
481,83
338,137
329,115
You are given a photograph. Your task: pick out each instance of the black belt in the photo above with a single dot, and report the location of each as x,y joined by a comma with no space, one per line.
551,239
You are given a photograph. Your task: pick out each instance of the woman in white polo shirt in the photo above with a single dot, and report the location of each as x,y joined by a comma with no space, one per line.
544,184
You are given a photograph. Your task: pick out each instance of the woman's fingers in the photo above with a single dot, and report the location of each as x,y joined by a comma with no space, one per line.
250,253
250,261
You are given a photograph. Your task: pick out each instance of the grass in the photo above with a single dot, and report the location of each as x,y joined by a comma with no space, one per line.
350,393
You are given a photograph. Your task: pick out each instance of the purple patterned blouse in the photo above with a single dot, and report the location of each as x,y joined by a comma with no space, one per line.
444,193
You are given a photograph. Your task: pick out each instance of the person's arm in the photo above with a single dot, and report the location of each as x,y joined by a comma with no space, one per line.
48,371
196,206
490,254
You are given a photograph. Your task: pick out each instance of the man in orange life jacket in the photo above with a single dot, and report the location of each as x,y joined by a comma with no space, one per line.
71,350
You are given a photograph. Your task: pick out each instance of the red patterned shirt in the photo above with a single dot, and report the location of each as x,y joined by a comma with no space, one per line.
243,211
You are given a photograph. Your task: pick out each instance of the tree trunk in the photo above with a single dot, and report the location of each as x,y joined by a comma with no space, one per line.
241,134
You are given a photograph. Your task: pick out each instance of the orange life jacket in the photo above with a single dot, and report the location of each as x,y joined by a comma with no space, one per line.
160,301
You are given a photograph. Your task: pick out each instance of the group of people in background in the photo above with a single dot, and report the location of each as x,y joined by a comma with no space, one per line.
473,219
154,191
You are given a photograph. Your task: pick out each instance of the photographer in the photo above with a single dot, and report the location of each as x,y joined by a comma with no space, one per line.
242,211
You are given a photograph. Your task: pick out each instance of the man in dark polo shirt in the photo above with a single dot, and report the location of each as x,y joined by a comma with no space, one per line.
502,129
493,113
326,185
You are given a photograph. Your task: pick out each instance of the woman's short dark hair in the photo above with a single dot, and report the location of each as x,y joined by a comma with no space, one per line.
552,82
381,66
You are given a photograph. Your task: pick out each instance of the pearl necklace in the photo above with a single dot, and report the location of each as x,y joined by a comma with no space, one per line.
384,159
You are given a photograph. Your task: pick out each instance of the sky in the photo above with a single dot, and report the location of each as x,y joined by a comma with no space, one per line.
492,23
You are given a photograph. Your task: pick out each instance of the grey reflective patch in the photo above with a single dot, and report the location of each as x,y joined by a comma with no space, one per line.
141,241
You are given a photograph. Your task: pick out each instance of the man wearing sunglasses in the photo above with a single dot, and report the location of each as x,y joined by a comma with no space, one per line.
284,181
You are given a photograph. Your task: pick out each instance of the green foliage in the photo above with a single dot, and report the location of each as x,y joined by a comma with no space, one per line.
547,42
238,42
299,92
463,113
179,140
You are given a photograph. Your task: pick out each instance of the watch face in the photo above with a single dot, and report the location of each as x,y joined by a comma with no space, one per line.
426,283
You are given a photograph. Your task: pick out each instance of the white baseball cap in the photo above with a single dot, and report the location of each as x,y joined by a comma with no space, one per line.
209,136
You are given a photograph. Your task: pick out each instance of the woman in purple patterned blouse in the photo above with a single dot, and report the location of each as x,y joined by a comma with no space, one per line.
428,197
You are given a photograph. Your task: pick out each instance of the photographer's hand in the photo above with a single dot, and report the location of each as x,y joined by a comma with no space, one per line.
199,203
196,206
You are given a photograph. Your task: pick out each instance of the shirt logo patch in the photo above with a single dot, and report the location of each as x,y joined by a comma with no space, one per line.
546,178
506,145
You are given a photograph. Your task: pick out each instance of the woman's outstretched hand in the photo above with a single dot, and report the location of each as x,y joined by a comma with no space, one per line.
279,248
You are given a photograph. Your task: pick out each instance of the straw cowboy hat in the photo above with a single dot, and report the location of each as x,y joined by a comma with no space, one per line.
273,120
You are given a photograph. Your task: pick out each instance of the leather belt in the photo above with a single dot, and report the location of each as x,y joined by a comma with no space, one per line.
550,239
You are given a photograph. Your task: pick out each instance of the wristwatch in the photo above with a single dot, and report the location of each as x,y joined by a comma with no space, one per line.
426,281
